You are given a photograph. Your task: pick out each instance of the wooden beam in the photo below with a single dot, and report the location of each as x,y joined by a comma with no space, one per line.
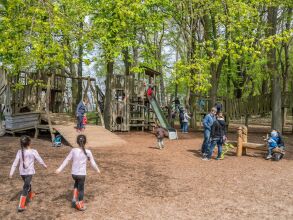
254,146
75,77
48,94
239,142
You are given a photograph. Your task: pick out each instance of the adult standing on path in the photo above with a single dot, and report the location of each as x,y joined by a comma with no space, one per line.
208,121
218,137
80,113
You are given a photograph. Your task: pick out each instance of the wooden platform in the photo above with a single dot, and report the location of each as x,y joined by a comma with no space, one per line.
97,136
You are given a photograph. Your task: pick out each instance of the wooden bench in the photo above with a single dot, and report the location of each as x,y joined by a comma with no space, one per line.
243,145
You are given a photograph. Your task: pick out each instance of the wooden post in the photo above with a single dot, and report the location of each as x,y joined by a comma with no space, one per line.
97,104
48,94
244,134
239,142
36,127
244,139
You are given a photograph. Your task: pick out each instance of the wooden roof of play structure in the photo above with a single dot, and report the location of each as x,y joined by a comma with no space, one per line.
150,72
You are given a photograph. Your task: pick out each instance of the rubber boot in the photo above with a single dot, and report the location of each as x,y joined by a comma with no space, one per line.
21,206
31,195
75,197
80,206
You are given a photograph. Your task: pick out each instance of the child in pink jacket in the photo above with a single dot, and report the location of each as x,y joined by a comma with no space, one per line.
26,158
79,157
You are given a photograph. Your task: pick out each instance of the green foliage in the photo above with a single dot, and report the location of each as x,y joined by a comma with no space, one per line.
47,35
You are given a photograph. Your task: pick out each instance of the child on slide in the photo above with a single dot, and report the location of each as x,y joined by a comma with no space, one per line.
79,157
150,92
26,158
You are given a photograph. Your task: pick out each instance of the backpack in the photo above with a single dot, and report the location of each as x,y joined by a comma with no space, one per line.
84,120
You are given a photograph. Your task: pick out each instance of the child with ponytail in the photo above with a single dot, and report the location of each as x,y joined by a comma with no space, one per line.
26,157
79,157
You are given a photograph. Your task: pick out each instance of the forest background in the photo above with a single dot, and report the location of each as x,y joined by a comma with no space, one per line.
230,48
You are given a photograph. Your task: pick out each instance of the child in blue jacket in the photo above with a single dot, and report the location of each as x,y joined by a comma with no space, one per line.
274,141
80,113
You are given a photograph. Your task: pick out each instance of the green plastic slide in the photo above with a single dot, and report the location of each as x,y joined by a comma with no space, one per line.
161,117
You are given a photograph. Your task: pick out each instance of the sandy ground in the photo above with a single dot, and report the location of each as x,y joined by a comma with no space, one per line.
141,182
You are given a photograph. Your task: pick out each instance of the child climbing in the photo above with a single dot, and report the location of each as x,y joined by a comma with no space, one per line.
26,158
79,157
274,141
218,137
160,133
81,113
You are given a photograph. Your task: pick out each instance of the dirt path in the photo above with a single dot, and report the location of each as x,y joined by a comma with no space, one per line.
140,182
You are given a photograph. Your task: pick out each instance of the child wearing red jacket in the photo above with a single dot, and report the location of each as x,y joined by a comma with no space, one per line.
26,158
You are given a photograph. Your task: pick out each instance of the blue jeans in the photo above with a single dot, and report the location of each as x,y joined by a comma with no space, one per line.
214,142
185,127
206,141
79,122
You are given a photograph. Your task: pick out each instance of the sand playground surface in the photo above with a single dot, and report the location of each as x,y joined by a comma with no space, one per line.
138,181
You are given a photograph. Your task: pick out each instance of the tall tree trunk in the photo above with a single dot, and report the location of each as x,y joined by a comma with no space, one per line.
286,53
108,95
210,34
286,63
74,86
276,79
79,69
176,84
162,86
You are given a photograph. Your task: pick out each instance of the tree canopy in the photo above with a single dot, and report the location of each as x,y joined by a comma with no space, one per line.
211,47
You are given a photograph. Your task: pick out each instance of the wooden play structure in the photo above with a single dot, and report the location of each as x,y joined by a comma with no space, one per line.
45,103
132,109
42,106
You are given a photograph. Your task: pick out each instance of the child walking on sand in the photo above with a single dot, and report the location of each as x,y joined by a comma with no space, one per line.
26,158
160,133
79,157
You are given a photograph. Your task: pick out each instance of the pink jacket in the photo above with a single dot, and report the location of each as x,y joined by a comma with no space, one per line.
30,155
79,160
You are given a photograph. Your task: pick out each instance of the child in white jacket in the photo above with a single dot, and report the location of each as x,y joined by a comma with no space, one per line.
26,158
79,157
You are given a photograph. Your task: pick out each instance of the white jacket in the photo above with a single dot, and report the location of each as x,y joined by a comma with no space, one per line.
186,117
30,155
79,160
